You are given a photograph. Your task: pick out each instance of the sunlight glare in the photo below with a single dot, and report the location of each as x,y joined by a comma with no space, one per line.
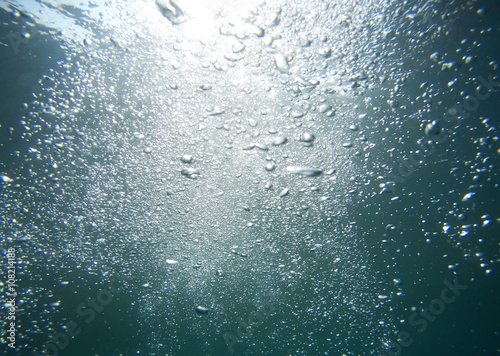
204,18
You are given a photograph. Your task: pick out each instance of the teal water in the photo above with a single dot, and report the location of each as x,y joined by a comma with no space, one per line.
267,161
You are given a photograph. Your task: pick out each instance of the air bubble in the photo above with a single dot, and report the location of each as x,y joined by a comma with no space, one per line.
281,63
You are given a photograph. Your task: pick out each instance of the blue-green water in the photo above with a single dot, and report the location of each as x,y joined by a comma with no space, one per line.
267,161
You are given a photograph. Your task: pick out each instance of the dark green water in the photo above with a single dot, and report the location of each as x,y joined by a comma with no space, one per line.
118,237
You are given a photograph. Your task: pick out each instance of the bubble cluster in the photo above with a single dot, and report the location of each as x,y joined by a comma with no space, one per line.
298,156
